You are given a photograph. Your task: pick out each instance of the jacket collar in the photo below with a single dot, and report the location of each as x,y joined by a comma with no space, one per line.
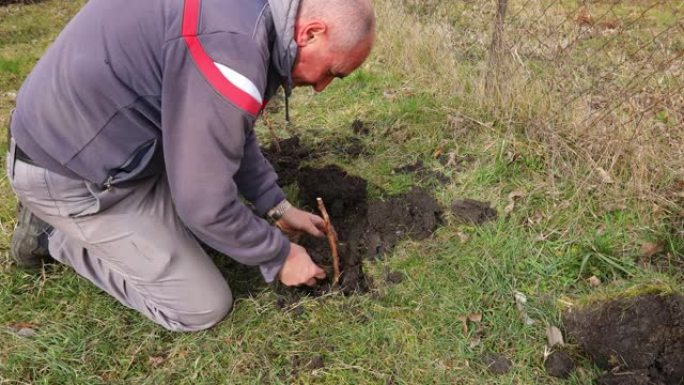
284,14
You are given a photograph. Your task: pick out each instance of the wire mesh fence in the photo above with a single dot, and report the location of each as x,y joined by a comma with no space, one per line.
598,80
613,73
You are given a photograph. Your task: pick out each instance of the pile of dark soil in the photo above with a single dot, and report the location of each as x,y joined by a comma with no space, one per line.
287,156
473,212
414,215
640,339
366,229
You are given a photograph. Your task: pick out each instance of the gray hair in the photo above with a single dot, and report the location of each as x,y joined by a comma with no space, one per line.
349,22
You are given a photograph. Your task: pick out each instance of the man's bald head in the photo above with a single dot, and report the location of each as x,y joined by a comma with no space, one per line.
333,38
349,22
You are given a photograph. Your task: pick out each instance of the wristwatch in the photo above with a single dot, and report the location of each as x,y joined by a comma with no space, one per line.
279,210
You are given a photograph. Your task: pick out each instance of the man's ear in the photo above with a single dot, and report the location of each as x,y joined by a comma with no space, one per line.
310,32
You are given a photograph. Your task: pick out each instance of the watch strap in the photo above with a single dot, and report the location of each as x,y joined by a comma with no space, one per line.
278,211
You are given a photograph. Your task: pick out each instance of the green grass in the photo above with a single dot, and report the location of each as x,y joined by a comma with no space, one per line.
560,233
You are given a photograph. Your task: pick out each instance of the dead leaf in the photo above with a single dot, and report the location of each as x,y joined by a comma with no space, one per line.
21,325
554,336
520,298
475,341
520,303
26,332
536,218
23,329
527,320
512,198
464,321
472,317
155,361
462,237
584,17
511,156
604,176
389,95
649,249
438,152
594,281
475,317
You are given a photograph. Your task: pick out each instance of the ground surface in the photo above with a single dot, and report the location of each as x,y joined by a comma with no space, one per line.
640,339
367,230
579,151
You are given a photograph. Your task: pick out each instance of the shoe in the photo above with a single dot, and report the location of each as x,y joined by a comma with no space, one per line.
30,240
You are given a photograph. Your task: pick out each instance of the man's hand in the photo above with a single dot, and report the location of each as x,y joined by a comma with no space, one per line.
296,221
299,269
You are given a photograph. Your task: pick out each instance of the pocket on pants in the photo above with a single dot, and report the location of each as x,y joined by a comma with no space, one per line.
72,196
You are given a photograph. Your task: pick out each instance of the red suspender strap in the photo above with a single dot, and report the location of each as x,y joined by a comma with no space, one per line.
206,65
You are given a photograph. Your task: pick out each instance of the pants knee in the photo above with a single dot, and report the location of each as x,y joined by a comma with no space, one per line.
209,310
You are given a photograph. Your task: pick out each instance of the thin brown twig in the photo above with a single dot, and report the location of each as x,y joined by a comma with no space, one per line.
332,239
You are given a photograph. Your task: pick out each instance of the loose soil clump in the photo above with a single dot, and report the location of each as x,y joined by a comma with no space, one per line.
422,172
365,229
414,215
559,364
496,363
640,339
288,154
286,161
359,127
472,211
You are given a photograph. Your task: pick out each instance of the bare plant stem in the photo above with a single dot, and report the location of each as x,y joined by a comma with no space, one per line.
332,239
274,137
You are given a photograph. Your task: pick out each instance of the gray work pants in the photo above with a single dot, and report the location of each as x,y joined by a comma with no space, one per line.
129,242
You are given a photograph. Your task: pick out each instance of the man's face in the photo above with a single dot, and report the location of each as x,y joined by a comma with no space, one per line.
318,63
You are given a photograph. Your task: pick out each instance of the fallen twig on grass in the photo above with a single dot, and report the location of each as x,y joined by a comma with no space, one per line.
332,239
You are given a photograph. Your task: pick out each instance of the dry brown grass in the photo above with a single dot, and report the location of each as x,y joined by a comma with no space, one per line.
598,85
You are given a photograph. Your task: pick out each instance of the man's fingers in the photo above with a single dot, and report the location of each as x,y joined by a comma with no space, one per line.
311,282
318,221
320,273
318,225
315,232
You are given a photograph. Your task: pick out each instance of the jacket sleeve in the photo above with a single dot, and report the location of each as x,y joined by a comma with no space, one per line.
208,139
256,178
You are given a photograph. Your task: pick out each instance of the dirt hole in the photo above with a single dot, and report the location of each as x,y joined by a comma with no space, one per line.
366,229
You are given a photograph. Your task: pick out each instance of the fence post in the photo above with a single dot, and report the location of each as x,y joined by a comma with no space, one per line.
495,60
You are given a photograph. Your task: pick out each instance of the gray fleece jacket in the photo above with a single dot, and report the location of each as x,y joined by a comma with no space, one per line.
131,88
